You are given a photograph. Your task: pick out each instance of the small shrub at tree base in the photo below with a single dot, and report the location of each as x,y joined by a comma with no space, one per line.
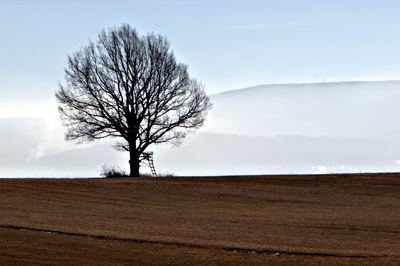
168,174
112,171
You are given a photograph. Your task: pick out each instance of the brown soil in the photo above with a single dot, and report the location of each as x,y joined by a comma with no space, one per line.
237,220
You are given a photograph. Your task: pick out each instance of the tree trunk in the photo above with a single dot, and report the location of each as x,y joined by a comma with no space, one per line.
134,164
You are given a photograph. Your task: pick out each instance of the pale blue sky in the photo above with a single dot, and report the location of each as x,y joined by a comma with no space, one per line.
227,44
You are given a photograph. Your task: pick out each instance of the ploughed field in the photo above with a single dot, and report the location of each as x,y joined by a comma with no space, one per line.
240,220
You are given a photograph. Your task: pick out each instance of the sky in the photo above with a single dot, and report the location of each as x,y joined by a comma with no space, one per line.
227,44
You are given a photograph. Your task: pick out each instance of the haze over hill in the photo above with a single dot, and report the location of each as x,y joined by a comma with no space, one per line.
298,128
345,109
292,128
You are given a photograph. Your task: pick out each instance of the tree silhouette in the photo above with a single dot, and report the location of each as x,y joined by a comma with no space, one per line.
130,87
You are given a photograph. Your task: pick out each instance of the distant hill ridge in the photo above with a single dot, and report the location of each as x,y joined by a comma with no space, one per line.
347,109
338,85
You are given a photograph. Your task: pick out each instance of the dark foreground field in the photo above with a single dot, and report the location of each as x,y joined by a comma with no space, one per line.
249,220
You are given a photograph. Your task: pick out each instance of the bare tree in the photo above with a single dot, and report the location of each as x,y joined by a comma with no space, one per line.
130,87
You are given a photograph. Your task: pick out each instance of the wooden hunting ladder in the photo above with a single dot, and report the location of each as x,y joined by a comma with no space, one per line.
147,159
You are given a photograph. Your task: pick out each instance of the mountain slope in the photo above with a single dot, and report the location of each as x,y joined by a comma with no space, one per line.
347,109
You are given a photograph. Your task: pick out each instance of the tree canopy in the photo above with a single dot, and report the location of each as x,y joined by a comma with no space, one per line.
132,88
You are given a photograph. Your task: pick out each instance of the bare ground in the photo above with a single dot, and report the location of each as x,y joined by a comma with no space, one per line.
239,220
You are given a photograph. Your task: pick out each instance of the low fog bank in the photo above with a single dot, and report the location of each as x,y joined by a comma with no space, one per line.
35,147
297,128
272,129
221,154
